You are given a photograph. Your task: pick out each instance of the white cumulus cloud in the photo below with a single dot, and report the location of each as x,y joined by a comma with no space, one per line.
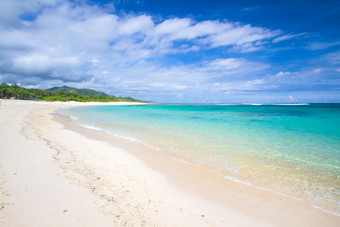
52,42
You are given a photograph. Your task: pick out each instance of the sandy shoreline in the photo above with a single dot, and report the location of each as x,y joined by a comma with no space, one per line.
53,171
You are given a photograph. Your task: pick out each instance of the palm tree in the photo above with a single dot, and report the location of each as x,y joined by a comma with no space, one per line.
4,90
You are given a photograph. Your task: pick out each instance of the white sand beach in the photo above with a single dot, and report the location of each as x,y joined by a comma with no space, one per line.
56,173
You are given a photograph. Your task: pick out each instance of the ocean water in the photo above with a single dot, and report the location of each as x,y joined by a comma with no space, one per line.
293,150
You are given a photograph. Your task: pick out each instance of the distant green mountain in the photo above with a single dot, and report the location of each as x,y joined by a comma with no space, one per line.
63,94
83,91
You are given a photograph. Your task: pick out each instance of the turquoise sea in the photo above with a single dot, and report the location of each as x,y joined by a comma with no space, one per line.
289,149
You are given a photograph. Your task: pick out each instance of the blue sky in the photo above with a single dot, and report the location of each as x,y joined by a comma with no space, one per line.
176,51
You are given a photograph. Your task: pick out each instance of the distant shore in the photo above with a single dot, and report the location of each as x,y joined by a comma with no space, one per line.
54,171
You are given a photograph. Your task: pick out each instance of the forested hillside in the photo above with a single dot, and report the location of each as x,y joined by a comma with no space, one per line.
58,94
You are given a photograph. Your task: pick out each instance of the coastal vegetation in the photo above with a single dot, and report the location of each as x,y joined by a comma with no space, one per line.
63,94
84,91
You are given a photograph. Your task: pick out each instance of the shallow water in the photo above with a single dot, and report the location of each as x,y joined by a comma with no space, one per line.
290,149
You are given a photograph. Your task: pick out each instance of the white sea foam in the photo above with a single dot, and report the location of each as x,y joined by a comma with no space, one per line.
253,104
91,127
276,104
130,137
234,179
61,111
226,104
73,117
134,139
328,211
290,104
